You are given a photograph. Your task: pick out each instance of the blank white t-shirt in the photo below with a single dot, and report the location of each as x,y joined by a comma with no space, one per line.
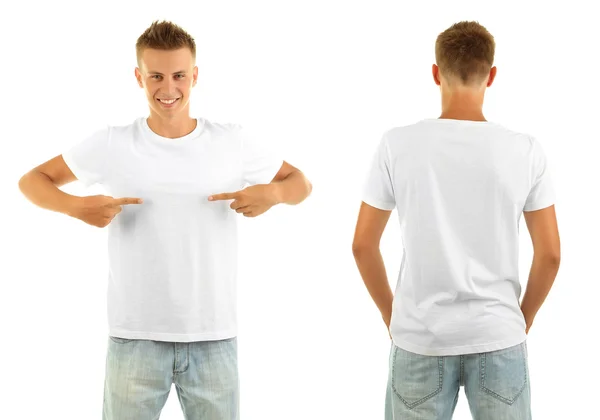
459,188
173,259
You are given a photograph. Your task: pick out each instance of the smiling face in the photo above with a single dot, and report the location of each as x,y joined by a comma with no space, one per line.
167,77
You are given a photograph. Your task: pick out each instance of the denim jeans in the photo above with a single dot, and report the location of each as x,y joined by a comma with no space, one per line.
426,387
140,373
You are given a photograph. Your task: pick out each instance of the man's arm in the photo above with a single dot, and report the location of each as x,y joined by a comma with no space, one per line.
290,186
365,247
543,229
42,185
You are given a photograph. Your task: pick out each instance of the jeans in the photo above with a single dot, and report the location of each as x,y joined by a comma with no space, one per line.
426,387
140,373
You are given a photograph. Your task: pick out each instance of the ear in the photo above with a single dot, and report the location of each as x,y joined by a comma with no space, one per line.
195,76
435,71
138,76
492,76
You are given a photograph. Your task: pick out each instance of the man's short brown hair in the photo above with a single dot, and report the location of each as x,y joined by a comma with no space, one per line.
164,36
465,52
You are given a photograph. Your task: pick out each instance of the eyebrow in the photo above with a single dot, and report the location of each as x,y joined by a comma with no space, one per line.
159,73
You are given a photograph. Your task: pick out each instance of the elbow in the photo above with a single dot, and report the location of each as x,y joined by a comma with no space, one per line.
361,248
554,259
549,258
23,182
307,184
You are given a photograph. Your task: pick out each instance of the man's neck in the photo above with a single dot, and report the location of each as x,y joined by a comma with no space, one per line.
471,115
463,105
172,128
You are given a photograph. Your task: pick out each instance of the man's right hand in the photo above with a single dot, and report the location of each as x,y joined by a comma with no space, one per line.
100,210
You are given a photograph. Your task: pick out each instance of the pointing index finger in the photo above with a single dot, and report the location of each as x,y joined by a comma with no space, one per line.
222,196
127,200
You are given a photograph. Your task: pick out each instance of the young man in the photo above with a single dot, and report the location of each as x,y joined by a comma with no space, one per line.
176,186
459,184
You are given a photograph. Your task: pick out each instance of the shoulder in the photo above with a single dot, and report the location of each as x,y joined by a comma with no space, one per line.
398,135
124,128
522,142
402,131
217,127
520,136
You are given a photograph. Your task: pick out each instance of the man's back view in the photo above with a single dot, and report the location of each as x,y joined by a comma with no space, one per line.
460,185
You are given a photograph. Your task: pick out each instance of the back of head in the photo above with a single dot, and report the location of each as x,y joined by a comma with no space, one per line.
164,36
464,53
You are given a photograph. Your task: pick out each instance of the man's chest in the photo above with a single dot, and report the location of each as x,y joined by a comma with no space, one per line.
189,172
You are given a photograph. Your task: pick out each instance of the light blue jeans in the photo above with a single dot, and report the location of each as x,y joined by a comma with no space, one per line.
140,373
426,387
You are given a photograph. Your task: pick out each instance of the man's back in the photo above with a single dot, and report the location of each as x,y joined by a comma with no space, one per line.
459,187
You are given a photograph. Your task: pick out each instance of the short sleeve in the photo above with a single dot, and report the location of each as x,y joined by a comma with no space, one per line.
378,189
259,164
541,194
87,159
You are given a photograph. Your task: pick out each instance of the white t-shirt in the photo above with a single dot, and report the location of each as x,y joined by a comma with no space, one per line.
459,188
173,259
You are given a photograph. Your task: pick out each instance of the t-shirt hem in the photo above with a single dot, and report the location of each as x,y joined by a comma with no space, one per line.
378,204
461,350
76,170
271,172
540,206
173,337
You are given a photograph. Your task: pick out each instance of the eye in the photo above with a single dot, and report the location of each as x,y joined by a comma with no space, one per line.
180,76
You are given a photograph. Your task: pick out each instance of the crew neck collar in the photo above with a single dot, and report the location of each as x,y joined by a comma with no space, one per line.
178,140
457,121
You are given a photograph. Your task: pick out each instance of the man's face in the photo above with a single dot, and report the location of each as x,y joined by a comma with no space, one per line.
167,77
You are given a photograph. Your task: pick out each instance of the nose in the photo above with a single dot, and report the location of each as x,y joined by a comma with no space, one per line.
170,87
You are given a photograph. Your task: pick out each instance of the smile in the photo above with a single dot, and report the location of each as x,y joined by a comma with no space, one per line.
168,101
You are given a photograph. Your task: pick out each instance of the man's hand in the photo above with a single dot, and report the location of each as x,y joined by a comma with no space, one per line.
528,320
387,319
251,201
100,210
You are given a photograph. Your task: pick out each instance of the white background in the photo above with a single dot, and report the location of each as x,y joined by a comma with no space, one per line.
322,80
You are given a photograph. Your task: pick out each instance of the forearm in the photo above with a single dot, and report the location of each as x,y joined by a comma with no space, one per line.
372,270
541,278
293,189
39,189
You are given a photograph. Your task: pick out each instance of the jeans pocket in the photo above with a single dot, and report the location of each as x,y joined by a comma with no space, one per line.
503,373
416,378
120,340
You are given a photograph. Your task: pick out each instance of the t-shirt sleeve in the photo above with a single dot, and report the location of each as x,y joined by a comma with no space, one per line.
541,194
259,164
378,189
88,158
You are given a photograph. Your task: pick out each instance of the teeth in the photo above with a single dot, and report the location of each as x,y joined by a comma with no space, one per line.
169,101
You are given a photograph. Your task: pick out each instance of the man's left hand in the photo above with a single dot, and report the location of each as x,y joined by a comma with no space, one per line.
251,201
